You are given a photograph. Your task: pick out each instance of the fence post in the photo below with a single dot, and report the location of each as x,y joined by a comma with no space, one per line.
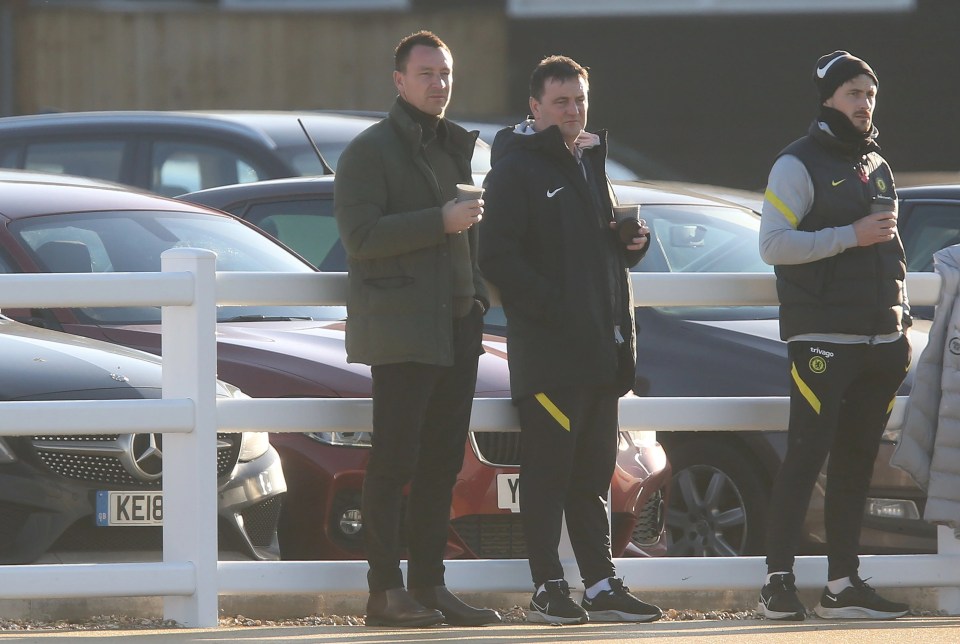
190,460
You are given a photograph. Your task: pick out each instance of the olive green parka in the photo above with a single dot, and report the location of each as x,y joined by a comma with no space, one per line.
388,207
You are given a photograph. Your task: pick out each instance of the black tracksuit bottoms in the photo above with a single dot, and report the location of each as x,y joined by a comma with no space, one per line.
840,399
421,416
569,451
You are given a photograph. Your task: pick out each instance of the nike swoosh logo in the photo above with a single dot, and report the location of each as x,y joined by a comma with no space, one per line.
832,598
550,193
821,72
837,183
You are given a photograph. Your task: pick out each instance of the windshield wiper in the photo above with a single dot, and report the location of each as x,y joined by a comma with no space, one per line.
266,318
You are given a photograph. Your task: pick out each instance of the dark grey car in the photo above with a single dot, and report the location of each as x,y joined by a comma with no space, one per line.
170,152
90,493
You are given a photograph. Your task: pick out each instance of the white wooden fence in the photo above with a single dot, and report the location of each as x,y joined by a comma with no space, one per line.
190,578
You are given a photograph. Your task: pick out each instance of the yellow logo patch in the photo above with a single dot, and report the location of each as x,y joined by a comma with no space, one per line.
818,364
881,184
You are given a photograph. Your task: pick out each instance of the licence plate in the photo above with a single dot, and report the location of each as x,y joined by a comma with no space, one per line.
508,492
129,508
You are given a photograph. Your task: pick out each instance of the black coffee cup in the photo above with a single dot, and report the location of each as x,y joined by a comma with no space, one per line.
628,221
882,203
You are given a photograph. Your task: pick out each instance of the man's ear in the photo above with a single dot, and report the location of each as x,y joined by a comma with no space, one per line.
534,107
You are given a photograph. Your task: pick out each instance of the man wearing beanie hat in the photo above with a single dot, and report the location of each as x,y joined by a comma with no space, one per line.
829,228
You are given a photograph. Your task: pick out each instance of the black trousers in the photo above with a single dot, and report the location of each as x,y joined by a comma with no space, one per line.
421,416
569,451
840,400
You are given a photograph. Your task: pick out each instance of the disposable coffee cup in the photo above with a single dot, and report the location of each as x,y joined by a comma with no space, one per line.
881,203
468,192
628,221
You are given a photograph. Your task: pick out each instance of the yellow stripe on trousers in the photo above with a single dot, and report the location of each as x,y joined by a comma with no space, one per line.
554,411
804,389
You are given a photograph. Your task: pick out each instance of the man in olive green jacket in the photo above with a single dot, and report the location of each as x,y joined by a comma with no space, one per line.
414,314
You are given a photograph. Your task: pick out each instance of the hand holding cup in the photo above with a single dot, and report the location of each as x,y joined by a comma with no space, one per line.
628,222
880,225
466,210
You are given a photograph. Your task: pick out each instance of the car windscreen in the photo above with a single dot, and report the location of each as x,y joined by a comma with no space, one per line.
116,241
705,239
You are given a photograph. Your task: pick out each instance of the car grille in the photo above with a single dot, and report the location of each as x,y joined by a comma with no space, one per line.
650,523
499,448
260,521
496,536
119,460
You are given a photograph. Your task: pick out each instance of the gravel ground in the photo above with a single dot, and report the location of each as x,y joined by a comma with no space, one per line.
511,616
119,622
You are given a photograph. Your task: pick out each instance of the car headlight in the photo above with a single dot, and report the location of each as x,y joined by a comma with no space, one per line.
351,522
253,445
6,454
892,509
342,439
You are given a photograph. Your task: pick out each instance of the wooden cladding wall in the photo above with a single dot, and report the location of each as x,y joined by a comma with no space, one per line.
75,59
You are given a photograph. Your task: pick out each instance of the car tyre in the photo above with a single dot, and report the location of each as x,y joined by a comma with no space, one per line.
718,501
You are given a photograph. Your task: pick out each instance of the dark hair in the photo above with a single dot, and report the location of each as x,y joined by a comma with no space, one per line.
423,37
559,68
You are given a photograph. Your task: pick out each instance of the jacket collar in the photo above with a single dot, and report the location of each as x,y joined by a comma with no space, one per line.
820,132
458,140
549,140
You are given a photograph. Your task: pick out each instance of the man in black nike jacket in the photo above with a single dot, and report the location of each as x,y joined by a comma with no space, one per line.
550,244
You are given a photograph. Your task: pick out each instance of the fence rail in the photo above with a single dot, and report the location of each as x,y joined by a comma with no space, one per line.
190,578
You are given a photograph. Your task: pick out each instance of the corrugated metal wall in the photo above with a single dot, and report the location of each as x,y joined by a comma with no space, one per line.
75,59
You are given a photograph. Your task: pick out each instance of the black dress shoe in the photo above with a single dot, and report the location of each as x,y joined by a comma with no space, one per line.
395,607
455,612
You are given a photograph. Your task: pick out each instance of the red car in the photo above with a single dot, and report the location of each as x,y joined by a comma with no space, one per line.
55,224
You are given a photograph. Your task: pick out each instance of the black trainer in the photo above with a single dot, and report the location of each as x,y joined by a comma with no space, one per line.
779,599
619,605
553,605
859,601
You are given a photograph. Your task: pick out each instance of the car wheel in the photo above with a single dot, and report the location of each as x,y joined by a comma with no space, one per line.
718,503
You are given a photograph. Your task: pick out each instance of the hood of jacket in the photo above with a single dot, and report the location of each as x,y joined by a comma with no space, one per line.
550,140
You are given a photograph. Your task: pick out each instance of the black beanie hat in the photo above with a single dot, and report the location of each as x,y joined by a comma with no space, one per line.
833,70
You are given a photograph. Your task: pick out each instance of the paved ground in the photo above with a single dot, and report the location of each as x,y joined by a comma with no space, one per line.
919,630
